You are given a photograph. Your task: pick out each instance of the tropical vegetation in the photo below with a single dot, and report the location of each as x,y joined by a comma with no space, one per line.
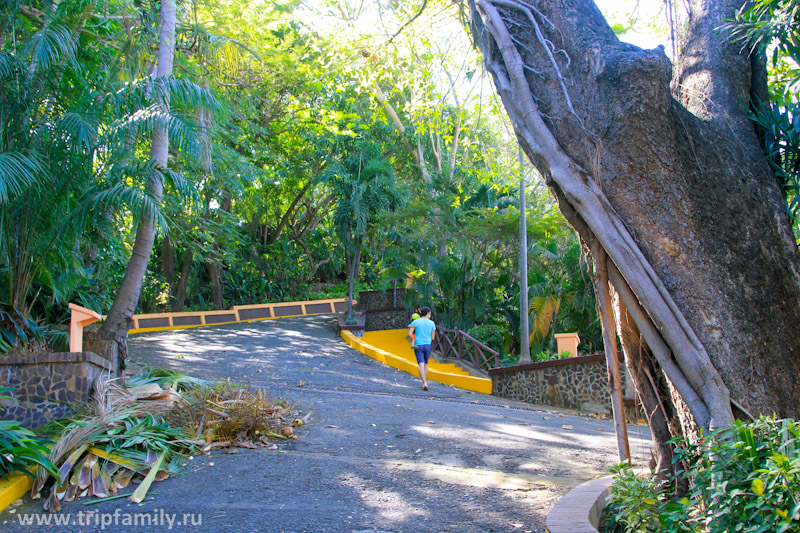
740,478
304,160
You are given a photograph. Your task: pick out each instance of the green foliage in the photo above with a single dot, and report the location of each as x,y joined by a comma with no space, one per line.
21,334
634,502
548,356
21,451
16,330
773,27
561,294
781,126
76,114
284,169
494,336
166,378
745,477
509,360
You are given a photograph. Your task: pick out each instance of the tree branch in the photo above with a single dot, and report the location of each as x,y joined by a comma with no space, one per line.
408,23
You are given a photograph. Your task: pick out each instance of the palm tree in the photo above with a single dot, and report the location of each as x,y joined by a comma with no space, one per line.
116,324
365,186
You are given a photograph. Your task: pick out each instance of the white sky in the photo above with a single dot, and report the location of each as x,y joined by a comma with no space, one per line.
650,26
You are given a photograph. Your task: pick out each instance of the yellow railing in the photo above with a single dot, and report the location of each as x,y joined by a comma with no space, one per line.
237,313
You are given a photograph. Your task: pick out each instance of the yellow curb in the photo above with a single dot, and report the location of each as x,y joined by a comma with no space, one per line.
446,376
13,488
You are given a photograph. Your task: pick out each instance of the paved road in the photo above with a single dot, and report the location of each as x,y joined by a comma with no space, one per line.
380,454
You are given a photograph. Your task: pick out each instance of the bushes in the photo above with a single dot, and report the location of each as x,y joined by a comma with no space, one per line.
547,356
742,478
493,336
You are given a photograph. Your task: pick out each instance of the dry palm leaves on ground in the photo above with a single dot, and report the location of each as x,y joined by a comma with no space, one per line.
141,432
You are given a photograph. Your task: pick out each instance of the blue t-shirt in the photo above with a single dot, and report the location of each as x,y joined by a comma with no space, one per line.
422,331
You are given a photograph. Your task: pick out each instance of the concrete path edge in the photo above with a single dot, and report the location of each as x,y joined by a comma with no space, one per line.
580,510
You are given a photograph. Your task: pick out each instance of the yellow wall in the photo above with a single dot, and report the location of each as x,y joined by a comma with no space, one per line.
390,348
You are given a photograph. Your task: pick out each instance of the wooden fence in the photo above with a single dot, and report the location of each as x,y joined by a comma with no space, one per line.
457,344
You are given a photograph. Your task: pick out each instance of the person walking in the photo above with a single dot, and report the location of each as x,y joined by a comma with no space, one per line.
423,331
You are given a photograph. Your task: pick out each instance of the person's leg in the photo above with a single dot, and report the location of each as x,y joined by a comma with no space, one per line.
419,352
426,353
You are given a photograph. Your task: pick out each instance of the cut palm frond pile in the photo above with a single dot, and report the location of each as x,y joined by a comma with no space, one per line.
231,415
143,431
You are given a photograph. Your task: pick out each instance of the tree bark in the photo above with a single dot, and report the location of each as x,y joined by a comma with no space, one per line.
215,280
119,316
612,353
183,282
672,185
167,261
352,261
648,387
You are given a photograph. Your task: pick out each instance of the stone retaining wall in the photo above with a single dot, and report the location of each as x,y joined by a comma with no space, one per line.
371,300
383,319
579,383
47,384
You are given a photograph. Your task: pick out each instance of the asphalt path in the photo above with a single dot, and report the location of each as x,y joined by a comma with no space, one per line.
379,454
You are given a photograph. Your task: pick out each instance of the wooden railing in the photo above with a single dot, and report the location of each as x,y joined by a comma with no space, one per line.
459,345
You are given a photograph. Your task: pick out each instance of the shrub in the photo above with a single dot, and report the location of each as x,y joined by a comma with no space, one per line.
745,477
547,356
491,335
509,360
634,502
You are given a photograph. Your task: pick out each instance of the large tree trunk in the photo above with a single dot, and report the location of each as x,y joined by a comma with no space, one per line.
672,185
116,324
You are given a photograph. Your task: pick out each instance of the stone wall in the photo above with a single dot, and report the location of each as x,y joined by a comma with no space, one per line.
579,383
370,300
383,319
47,384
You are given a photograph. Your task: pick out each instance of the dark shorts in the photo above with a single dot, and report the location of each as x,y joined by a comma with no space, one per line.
423,353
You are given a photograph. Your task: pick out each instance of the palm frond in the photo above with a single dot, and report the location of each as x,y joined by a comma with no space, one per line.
543,308
9,64
124,195
183,133
79,131
181,130
185,188
218,45
18,172
186,93
51,45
